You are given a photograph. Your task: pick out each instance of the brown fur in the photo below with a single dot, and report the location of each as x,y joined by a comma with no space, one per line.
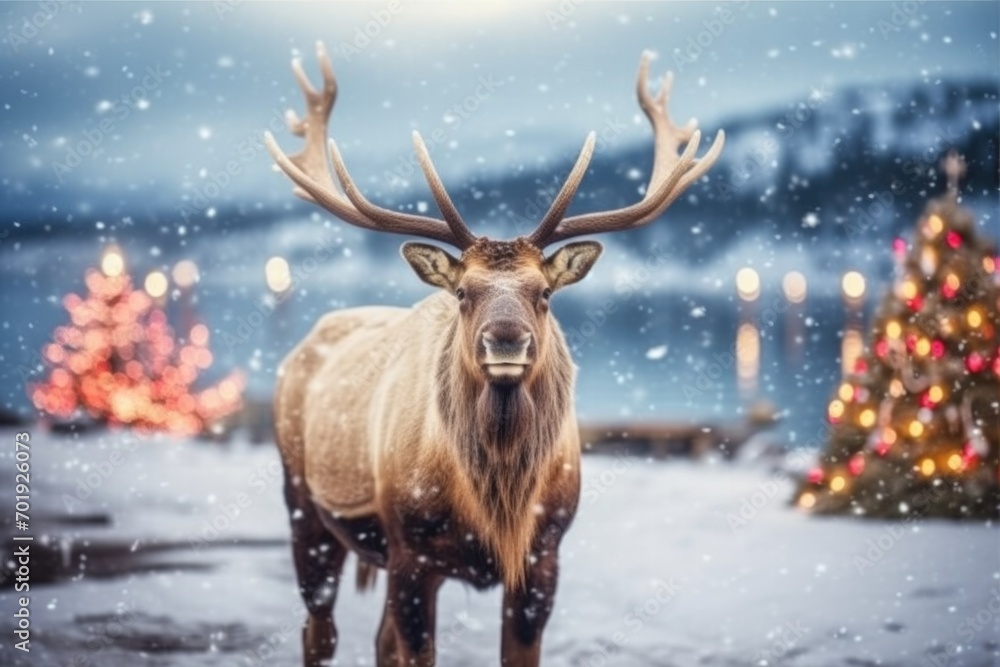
437,422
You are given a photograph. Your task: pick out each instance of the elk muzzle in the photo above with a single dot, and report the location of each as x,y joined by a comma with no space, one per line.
506,349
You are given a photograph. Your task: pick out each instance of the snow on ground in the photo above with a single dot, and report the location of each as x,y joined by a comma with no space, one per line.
660,568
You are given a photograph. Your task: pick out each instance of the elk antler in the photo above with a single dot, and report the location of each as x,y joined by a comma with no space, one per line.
672,173
309,170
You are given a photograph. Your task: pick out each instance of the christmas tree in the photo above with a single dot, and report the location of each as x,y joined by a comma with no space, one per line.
119,362
915,428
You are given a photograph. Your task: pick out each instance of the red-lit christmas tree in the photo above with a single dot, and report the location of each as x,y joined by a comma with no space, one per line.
916,426
118,361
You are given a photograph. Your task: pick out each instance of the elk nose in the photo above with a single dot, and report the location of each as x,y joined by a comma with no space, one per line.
506,343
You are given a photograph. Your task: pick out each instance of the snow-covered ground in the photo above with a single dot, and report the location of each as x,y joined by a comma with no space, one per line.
660,568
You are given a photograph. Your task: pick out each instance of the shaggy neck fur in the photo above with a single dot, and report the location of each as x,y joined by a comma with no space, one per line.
502,436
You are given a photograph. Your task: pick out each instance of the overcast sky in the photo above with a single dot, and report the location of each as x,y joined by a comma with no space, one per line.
554,71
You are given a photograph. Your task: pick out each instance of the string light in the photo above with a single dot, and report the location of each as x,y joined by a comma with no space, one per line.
794,286
837,483
955,462
867,418
156,284
927,467
747,284
853,285
916,429
893,329
836,410
974,318
278,274
118,360
112,262
934,225
807,500
846,392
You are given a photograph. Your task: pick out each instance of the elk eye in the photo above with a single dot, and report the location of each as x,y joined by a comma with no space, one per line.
460,293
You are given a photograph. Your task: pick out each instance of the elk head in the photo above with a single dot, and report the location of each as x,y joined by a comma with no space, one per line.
502,287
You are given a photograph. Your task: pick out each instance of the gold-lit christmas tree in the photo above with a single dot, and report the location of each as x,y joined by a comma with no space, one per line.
119,362
915,428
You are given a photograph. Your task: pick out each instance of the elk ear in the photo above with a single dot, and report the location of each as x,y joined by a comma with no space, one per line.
433,265
571,263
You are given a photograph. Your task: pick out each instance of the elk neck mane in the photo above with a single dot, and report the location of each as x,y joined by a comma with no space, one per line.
502,437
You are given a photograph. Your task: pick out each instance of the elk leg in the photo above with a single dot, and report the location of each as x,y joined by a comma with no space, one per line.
526,609
319,558
412,601
385,645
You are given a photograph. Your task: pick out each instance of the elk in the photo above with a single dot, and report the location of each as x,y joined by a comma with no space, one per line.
440,441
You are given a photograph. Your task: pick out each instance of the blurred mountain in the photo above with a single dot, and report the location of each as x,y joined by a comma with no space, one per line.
808,172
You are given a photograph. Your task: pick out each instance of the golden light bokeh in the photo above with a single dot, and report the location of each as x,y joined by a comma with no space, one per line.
923,347
955,461
185,273
836,409
807,500
748,284
278,274
747,355
853,285
893,329
852,347
112,262
889,436
907,289
846,392
795,287
934,225
927,467
935,393
916,429
156,284
838,483
974,318
867,417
